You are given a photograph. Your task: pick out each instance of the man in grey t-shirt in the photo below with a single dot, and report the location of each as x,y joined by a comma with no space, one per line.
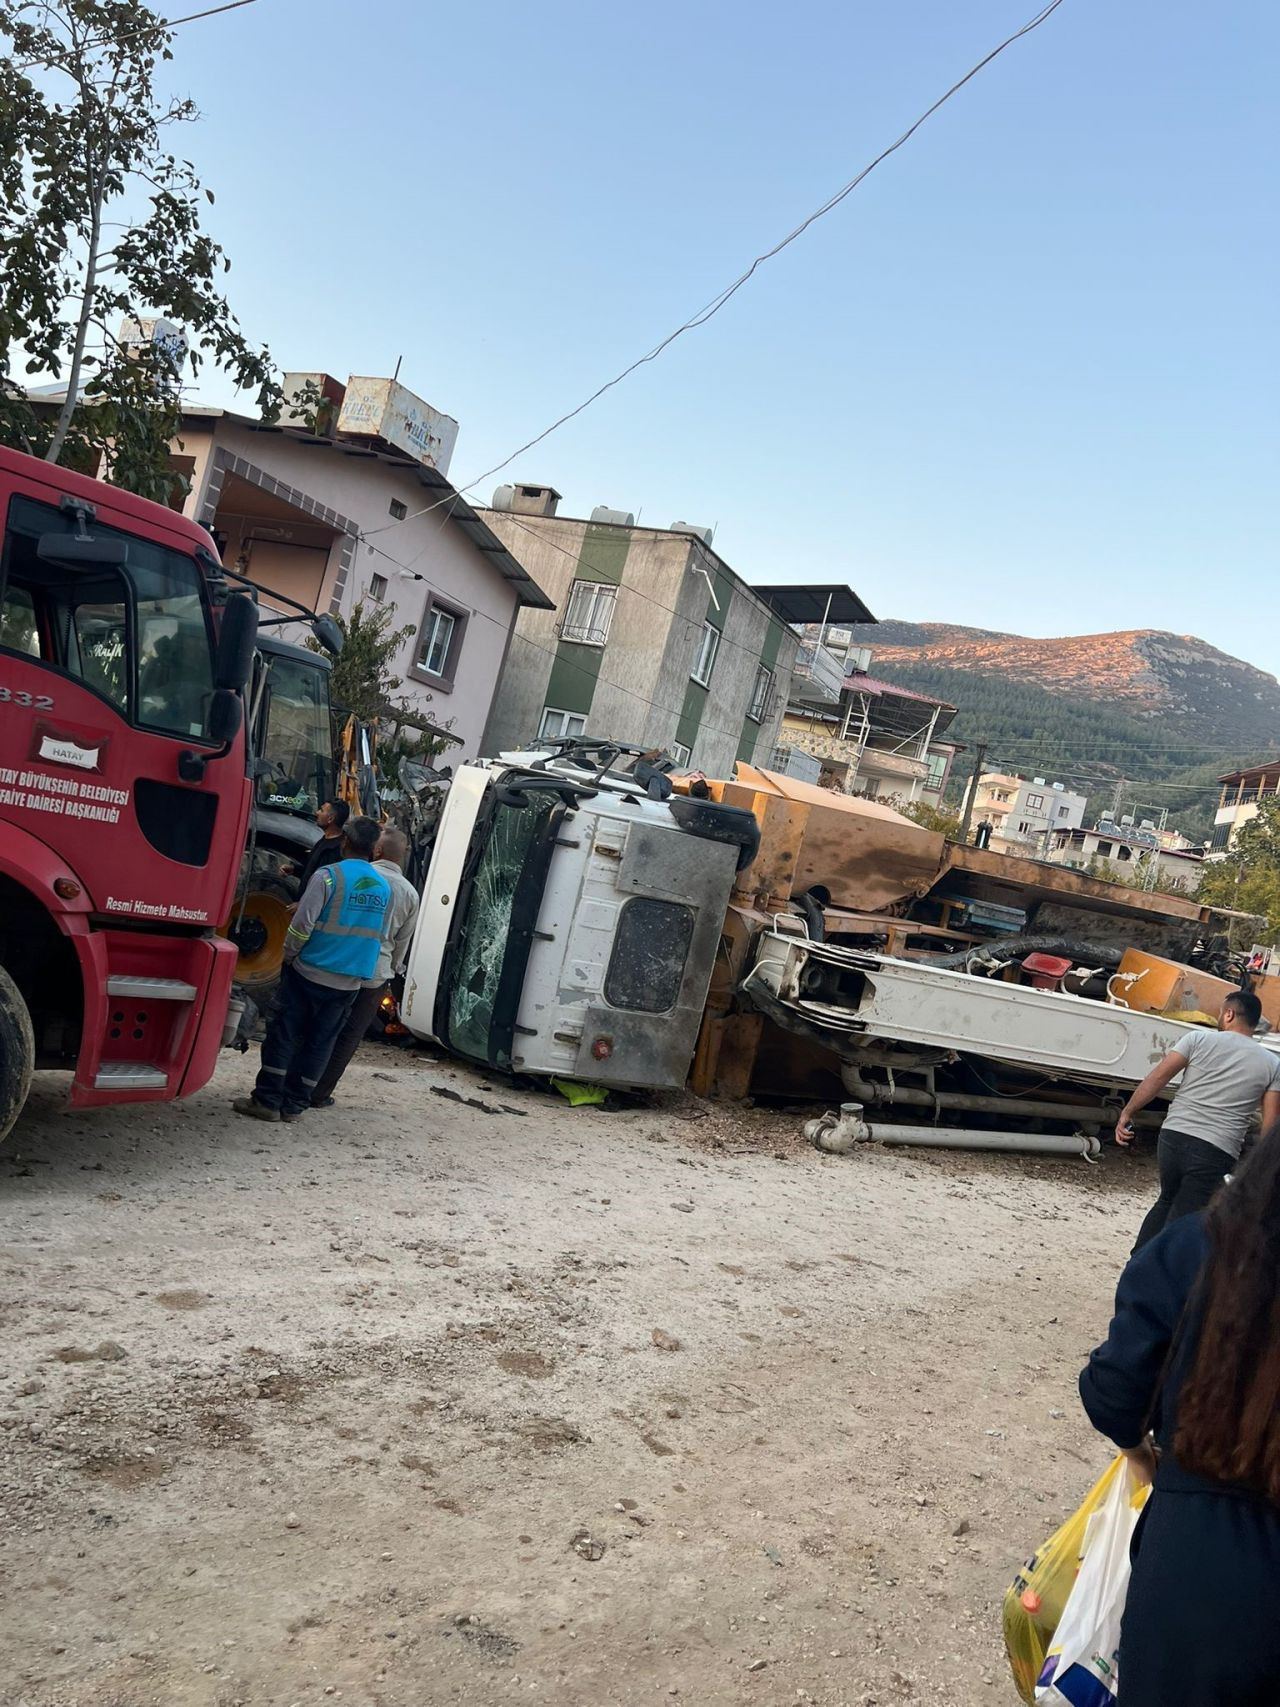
1226,1078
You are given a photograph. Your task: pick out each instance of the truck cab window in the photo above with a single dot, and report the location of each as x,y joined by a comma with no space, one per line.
18,622
138,635
99,645
295,738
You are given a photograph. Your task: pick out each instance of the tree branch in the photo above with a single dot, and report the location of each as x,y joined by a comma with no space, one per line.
85,317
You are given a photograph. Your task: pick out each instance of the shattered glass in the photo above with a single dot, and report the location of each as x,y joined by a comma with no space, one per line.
486,927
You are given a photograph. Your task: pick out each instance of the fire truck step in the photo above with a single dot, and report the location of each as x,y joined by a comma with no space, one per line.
129,1076
151,989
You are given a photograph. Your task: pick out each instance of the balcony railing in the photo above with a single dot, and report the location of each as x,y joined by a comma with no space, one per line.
881,763
818,675
790,761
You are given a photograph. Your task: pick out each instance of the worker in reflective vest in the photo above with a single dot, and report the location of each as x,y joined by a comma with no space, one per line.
331,950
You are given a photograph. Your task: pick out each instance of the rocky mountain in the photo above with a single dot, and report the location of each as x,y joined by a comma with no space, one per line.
1188,688
1162,715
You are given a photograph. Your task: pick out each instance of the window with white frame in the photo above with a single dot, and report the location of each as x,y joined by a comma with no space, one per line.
761,694
561,725
435,643
681,755
705,661
378,587
590,612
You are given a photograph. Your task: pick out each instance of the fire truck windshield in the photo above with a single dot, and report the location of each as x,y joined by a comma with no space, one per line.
137,633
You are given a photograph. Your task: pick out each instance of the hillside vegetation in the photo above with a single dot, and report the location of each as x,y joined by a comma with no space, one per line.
1090,746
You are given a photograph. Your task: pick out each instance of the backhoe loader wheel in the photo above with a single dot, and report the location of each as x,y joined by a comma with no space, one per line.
258,931
17,1052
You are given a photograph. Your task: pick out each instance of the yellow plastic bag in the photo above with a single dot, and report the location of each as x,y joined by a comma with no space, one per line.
1037,1595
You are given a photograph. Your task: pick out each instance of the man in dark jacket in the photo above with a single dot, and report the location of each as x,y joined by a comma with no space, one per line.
332,819
1200,1625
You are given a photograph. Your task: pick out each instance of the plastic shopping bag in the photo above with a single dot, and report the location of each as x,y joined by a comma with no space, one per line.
1082,1667
1036,1597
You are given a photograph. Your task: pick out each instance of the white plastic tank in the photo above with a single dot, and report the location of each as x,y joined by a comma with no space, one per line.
706,535
613,518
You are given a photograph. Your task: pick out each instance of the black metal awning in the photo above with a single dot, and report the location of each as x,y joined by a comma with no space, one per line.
830,602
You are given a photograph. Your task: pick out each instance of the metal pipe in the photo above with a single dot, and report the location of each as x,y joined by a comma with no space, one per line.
961,1138
870,1094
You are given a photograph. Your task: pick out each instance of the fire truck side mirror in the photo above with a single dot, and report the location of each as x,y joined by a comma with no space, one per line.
226,712
224,717
237,637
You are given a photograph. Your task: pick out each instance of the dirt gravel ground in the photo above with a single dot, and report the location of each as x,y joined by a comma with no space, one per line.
421,1403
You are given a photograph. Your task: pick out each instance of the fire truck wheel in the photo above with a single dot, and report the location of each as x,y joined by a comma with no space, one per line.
17,1052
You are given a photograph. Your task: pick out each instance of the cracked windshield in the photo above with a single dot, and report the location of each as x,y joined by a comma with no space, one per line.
514,833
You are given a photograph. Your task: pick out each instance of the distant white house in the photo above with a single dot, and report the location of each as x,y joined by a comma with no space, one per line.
1022,813
1140,846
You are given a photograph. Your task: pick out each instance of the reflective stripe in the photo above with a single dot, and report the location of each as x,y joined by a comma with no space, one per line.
311,1083
281,1071
338,892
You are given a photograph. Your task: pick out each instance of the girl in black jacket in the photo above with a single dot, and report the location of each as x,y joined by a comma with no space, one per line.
1188,1386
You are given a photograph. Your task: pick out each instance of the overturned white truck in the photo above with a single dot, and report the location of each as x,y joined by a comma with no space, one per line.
587,916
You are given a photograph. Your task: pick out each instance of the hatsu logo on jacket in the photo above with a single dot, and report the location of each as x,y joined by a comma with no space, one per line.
82,751
367,892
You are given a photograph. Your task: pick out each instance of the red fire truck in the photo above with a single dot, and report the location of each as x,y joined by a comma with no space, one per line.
124,793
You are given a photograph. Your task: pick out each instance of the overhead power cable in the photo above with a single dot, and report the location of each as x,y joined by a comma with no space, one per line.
717,302
160,25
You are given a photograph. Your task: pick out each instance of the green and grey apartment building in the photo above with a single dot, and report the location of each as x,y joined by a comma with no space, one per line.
654,641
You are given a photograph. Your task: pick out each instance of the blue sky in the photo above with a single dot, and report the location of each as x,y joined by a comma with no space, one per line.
1025,378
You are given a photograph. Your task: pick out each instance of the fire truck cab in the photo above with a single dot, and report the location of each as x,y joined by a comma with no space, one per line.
124,793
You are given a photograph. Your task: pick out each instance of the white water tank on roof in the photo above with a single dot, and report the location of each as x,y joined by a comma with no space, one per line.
706,535
527,500
613,518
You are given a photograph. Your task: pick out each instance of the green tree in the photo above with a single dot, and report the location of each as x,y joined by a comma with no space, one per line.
933,818
1248,879
364,681
99,222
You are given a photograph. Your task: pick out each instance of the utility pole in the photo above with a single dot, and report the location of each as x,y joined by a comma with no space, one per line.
979,757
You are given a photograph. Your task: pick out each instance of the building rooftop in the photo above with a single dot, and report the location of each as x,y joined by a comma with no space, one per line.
1270,768
869,685
899,710
793,605
444,495
449,499
830,602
